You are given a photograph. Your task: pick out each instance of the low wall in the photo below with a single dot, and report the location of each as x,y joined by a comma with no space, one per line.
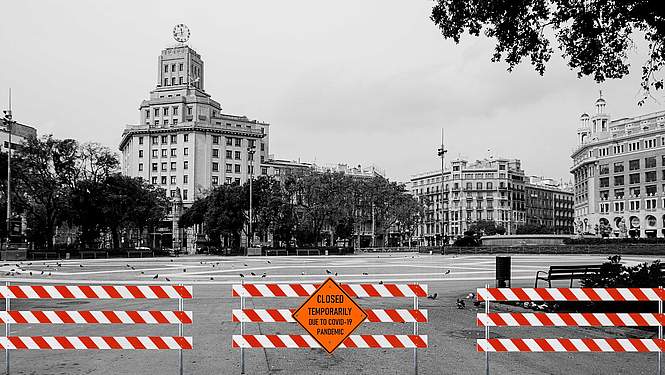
622,249
525,240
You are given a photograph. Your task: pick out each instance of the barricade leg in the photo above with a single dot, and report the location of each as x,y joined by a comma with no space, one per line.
660,334
180,333
487,335
242,332
415,332
7,331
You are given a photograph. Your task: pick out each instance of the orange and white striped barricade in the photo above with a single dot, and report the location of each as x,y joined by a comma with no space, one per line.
613,345
414,315
57,317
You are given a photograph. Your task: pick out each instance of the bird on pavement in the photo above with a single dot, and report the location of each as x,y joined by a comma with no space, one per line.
264,275
460,303
80,265
42,273
241,275
245,265
133,268
335,273
365,273
328,272
381,282
269,262
433,296
212,278
184,270
447,272
252,273
302,273
128,265
156,276
167,279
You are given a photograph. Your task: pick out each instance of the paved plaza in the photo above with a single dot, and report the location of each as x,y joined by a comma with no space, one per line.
452,332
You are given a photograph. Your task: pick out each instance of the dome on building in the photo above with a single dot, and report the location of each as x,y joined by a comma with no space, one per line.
600,100
584,116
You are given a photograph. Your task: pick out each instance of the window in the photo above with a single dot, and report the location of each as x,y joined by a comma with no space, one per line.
185,164
229,142
215,139
469,186
173,166
215,152
650,176
262,158
634,164
180,67
140,140
166,68
237,168
228,168
165,139
605,182
156,112
154,140
185,151
619,206
166,81
228,180
238,142
166,121
215,180
251,143
155,153
264,170
174,138
237,155
154,167
173,152
650,204
650,162
154,180
185,179
489,186
229,155
618,181
156,122
250,156
263,146
173,180
172,81
618,193
604,208
215,167
185,137
634,192
189,110
163,152
184,194
618,167
634,178
141,154
634,205
163,166
140,167
604,169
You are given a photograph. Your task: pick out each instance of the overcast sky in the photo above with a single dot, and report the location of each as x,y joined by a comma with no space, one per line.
355,82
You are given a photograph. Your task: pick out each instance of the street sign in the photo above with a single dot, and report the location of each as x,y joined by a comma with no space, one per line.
329,315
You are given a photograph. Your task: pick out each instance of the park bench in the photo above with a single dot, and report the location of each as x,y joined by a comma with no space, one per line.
140,252
45,254
94,253
298,251
571,272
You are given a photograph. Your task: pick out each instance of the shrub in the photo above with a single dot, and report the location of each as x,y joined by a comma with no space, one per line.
466,241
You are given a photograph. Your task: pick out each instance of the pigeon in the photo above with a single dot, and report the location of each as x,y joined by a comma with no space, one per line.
328,272
460,303
49,274
269,262
433,296
133,268
42,273
30,273
252,273
447,272
365,273
302,273
156,276
80,265
241,275
128,265
184,270
142,272
245,265
471,295
212,278
381,282
264,275
213,266
335,273
171,260
167,279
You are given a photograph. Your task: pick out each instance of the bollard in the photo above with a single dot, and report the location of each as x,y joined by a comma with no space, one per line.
660,334
242,331
7,330
415,332
487,335
180,333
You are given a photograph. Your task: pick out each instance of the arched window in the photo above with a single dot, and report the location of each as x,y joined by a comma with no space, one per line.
489,186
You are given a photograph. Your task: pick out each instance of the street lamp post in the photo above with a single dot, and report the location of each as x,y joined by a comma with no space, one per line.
441,152
250,154
8,123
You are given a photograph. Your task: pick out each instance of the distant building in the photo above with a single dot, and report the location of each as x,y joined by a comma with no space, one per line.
550,204
20,133
619,174
494,189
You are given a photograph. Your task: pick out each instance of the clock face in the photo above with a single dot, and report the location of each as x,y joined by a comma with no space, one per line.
181,33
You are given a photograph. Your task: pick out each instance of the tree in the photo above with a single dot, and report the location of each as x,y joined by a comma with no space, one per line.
44,170
486,228
594,36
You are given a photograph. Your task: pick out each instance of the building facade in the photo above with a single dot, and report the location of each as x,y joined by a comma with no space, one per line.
184,142
619,174
490,190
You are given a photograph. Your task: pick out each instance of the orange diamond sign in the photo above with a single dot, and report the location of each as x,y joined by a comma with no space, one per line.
329,315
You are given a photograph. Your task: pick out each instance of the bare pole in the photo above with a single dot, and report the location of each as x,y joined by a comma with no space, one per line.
7,330
487,334
8,117
660,334
442,153
242,328
415,332
180,333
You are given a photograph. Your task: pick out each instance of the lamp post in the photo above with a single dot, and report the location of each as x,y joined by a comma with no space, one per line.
441,152
8,124
250,156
